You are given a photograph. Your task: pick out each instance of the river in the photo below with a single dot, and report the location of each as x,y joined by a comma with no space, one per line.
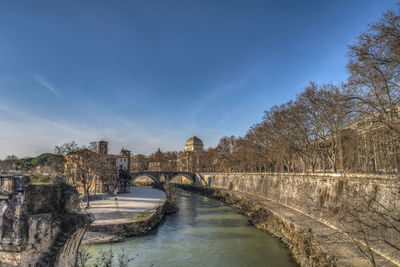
204,232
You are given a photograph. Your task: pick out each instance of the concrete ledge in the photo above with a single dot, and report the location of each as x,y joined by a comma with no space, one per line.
127,227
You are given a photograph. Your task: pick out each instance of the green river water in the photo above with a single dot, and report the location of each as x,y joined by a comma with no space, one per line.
204,232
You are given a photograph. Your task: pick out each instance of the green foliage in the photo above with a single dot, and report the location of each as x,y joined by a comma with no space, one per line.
143,215
29,163
124,175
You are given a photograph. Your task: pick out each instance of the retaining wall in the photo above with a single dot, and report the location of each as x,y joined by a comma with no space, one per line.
132,227
365,207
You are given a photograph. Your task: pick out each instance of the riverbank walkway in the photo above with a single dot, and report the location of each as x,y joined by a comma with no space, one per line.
121,208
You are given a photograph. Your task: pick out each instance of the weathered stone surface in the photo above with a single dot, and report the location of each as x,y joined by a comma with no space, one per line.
39,225
91,238
131,227
325,198
311,242
160,177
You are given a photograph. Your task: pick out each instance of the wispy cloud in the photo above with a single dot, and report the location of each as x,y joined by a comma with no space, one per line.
46,84
25,132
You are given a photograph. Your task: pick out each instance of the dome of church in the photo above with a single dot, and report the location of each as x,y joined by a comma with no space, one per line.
194,144
194,140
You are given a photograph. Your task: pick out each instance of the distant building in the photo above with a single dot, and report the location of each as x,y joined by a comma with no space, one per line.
194,144
125,159
157,161
121,161
187,160
102,147
139,163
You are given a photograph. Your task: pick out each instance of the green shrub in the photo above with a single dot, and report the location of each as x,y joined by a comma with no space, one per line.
29,163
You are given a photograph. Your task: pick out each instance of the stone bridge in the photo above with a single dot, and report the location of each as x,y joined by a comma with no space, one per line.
167,176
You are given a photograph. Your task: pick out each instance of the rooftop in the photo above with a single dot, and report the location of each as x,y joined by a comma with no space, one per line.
194,140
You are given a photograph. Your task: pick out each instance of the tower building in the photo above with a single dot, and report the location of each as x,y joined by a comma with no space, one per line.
102,147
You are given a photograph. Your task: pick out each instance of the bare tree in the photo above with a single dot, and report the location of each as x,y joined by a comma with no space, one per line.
374,76
93,146
329,112
372,223
83,167
11,157
67,148
311,132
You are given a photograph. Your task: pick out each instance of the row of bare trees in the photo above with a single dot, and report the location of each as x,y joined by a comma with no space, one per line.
354,126
292,137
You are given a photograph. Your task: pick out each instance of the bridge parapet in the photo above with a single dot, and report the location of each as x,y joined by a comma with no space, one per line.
159,176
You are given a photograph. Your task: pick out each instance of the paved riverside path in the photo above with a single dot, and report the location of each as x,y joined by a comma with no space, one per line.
121,208
125,207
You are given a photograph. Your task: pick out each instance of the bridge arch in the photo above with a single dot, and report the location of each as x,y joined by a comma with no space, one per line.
139,175
189,177
160,177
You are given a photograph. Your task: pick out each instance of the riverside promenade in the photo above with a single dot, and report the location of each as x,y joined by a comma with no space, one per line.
121,210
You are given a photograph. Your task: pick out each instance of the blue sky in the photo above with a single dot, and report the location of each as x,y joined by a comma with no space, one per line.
149,74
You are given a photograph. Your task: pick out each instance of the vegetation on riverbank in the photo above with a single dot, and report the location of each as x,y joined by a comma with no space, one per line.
105,258
143,215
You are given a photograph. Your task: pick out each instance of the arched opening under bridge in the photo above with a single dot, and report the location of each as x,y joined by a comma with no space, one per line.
144,180
181,179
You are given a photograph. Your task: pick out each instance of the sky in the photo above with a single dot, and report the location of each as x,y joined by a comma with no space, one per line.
150,74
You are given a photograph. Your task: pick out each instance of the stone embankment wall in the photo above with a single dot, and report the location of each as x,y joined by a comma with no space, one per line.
312,194
365,207
39,225
299,241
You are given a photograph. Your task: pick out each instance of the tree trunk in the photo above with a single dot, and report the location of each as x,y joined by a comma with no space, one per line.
87,197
